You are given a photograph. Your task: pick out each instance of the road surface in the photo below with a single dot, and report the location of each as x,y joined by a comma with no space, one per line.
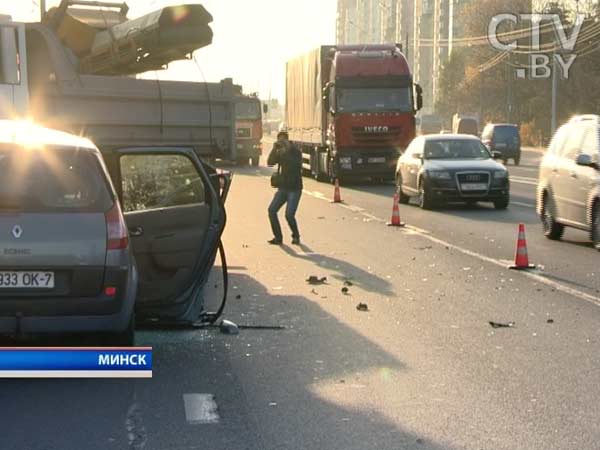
421,369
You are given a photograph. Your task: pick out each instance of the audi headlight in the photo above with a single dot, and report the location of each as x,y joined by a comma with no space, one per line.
501,174
439,175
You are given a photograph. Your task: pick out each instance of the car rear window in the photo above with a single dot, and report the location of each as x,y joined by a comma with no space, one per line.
52,180
506,133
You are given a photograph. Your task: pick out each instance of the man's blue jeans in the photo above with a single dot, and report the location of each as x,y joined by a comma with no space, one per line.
292,198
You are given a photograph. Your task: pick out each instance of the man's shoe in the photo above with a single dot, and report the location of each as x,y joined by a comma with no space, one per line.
296,241
275,241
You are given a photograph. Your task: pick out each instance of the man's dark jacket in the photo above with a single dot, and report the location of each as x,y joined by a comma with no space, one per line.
289,158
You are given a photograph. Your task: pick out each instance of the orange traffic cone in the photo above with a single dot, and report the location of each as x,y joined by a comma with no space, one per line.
337,198
521,257
396,222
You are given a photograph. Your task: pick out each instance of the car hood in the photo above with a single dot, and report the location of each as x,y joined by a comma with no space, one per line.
463,164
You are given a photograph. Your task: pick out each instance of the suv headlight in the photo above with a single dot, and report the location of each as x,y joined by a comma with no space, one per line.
438,175
500,174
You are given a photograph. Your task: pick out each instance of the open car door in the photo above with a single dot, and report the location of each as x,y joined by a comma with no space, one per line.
174,209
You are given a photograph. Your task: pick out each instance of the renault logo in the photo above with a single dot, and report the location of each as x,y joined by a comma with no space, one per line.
17,231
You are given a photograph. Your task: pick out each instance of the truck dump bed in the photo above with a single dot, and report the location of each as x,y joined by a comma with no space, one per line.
118,111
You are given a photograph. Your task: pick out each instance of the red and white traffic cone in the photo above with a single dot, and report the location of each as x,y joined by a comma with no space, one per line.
521,257
396,222
337,197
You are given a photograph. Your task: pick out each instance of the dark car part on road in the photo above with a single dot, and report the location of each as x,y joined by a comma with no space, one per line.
315,280
502,325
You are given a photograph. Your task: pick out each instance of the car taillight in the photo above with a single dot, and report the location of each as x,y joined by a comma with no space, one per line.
116,229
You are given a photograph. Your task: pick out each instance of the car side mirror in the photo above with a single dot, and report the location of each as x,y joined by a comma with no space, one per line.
419,90
586,160
496,155
265,108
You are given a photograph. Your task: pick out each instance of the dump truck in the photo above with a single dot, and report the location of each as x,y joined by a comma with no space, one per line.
76,71
351,109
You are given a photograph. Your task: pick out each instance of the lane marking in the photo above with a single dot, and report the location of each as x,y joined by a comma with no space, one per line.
200,409
525,205
523,180
537,276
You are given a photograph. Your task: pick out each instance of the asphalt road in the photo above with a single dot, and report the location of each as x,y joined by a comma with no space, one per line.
422,369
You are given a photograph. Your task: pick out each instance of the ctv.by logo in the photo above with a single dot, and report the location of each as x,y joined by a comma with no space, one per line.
540,64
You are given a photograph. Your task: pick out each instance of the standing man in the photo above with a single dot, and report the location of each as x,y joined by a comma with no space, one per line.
289,186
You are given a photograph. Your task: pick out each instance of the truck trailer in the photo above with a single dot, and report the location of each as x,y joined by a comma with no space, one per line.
351,109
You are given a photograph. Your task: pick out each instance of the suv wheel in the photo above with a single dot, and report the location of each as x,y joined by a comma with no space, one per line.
125,338
552,229
402,197
596,225
517,160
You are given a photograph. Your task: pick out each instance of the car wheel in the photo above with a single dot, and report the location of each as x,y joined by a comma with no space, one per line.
402,197
552,229
596,225
425,200
255,161
517,160
502,204
125,338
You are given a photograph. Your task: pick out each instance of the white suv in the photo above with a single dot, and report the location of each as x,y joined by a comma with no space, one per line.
569,182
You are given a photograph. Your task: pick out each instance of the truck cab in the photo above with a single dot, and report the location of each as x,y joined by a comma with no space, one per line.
371,102
14,91
248,129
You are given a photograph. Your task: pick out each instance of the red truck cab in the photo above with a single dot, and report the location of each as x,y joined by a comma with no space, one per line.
371,103
248,129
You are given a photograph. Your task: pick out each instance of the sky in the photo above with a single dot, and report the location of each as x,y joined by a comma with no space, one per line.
252,38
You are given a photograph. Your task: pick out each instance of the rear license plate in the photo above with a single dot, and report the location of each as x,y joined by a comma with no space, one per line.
380,160
26,280
473,187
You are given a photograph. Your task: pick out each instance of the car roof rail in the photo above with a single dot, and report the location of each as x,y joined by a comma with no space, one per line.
585,117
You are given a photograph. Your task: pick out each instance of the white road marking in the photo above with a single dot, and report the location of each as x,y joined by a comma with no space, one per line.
523,180
534,275
526,205
200,409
